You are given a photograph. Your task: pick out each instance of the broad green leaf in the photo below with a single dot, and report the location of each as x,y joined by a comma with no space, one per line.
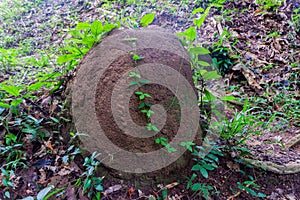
89,40
191,33
99,188
65,58
13,90
196,187
7,194
16,102
109,27
204,172
211,75
96,27
155,128
157,140
83,26
87,184
199,50
261,195
133,83
144,81
208,167
199,22
4,105
197,10
147,19
36,86
196,167
228,98
203,63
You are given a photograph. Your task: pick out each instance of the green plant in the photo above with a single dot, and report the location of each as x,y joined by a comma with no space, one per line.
44,194
147,19
202,189
267,4
164,142
6,181
243,125
70,154
296,20
250,186
92,185
206,159
83,38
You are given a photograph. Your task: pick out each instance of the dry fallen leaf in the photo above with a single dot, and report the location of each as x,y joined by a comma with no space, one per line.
169,186
248,74
112,189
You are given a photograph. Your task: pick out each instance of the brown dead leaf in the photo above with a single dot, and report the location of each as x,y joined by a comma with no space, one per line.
64,171
112,189
248,74
46,101
53,106
233,166
169,186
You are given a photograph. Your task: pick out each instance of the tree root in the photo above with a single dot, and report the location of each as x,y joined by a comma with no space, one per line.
291,168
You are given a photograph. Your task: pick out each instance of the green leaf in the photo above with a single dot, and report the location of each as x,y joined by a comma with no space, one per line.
142,105
196,167
43,193
144,81
199,22
87,184
204,172
208,167
55,120
199,51
83,26
228,98
4,105
204,64
147,95
252,192
211,75
261,195
109,27
7,194
16,102
13,90
99,188
147,19
133,83
155,128
197,10
65,58
36,86
196,187
96,28
191,33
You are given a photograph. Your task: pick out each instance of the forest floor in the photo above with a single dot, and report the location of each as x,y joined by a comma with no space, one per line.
256,49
